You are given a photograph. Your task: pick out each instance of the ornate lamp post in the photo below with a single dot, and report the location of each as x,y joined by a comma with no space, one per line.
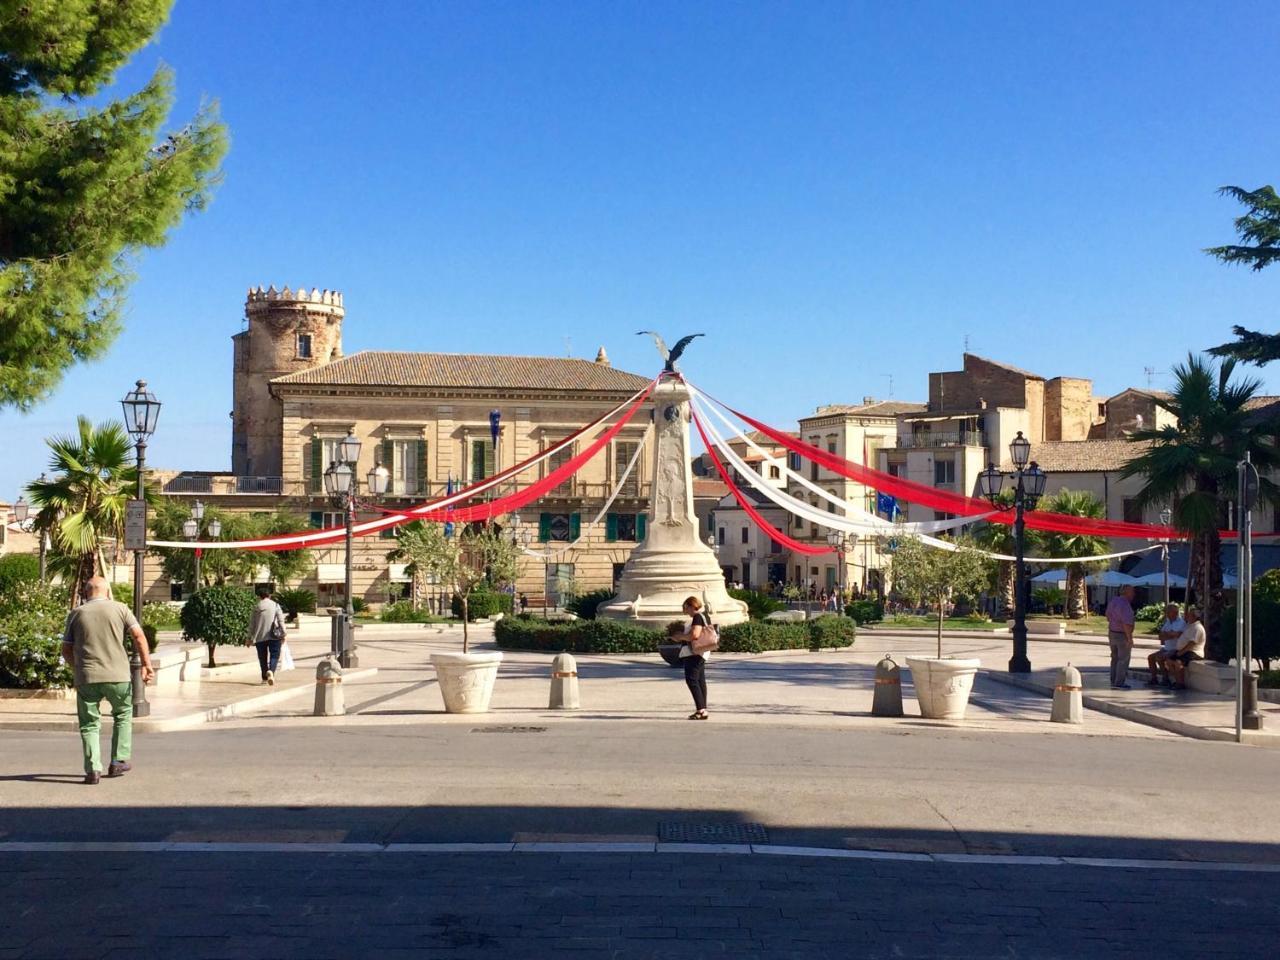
839,542
341,485
141,413
1029,481
1165,516
21,513
191,530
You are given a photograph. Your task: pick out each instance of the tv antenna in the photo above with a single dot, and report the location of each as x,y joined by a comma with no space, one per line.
568,346
1151,375
890,377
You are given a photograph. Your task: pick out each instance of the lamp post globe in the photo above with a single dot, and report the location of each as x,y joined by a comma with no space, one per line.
197,511
1034,480
215,529
141,411
1020,451
349,449
379,480
190,528
990,481
21,510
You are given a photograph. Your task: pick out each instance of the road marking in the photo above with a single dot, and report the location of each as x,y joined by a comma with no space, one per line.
428,849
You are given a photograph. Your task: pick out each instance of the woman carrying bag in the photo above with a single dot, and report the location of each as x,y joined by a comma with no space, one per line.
701,638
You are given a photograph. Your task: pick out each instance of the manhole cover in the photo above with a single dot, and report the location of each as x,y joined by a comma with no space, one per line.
508,729
675,831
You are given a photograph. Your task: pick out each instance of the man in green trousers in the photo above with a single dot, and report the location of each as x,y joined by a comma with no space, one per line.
94,644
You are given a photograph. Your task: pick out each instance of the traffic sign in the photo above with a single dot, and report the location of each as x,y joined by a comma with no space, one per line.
135,525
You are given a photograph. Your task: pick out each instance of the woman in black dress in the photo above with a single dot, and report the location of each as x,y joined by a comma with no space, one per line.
695,665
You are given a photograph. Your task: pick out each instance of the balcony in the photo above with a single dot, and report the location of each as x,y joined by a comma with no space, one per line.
924,441
265,485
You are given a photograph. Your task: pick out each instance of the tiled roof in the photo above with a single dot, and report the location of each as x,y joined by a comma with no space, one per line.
1085,456
880,408
1006,366
404,369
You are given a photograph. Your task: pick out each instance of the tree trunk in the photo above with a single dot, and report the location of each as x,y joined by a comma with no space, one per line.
941,608
85,572
1211,595
1075,591
1004,581
466,615
211,647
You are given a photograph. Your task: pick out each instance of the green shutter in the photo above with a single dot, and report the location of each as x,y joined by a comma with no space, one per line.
317,519
611,527
490,464
575,526
317,467
422,466
544,527
641,525
389,456
477,460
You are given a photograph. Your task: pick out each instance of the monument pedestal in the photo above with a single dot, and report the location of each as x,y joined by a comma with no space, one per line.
672,564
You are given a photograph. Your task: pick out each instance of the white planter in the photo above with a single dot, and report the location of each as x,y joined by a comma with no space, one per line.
942,686
466,680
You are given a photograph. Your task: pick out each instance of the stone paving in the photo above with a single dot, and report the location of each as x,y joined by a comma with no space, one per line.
206,906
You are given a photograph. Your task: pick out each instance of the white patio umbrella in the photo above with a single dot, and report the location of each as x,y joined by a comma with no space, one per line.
1050,576
1110,578
1230,580
1157,580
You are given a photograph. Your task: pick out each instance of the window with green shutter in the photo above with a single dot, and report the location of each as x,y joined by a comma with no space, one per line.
317,465
388,458
623,526
642,520
611,528
317,519
575,526
544,527
422,466
481,459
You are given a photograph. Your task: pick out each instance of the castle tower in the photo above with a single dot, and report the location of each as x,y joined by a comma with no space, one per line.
288,331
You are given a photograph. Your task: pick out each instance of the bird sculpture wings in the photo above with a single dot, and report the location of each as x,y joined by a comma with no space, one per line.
672,355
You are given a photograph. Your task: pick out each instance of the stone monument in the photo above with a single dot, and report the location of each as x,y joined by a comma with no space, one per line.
672,564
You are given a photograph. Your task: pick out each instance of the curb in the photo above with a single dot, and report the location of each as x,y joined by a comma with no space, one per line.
656,848
1135,715
187,721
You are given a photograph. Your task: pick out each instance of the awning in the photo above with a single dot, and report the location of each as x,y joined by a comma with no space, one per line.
331,572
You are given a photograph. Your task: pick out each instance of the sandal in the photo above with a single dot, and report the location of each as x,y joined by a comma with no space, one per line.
701,715
694,716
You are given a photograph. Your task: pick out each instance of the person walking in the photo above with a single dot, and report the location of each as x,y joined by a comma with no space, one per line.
94,644
1120,636
266,632
695,664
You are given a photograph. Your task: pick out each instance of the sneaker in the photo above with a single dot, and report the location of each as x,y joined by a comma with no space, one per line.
119,768
93,778
271,678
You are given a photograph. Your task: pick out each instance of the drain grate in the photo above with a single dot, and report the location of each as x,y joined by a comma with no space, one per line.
500,729
676,831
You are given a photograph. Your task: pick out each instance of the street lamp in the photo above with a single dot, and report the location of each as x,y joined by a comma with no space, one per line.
1166,515
141,413
1029,481
342,487
191,530
839,542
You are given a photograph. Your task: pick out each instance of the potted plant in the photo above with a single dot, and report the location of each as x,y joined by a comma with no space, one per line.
477,557
934,574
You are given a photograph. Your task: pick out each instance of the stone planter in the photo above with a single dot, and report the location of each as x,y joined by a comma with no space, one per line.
466,680
942,686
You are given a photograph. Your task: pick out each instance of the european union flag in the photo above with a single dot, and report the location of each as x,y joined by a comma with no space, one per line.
448,492
886,504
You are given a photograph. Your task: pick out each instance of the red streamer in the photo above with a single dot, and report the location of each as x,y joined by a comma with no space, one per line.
746,505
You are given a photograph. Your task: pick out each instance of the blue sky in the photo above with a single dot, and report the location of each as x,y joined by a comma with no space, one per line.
834,193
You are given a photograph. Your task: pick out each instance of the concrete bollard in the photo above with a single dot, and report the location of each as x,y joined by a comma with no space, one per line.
1068,704
887,700
564,683
329,698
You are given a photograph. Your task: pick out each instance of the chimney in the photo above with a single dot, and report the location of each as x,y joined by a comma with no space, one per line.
602,358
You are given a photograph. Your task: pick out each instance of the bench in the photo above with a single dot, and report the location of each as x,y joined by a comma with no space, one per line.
176,664
1046,628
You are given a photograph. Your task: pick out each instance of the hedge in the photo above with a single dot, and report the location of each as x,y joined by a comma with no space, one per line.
16,568
865,611
585,605
403,611
32,615
615,636
481,604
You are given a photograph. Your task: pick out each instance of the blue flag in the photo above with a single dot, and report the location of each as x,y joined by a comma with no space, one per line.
448,492
888,505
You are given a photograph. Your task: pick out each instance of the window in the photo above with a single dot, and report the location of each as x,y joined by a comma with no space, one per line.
793,461
559,527
895,469
320,452
406,461
746,535
623,451
799,521
831,507
481,459
775,473
624,526
813,471
944,471
774,546
720,536
1132,512
831,446
323,519
554,462
941,515
304,346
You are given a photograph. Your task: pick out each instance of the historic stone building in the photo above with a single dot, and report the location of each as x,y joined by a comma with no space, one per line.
426,418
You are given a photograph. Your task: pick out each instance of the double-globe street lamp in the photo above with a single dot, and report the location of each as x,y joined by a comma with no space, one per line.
191,530
1166,515
21,513
1029,481
343,489
141,413
841,543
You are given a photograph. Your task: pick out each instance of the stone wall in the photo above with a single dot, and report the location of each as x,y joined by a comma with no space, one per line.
1069,408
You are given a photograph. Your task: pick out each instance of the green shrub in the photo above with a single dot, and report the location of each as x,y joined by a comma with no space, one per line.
150,633
402,611
358,605
1269,679
759,605
123,592
481,604
1266,631
614,636
218,615
161,616
585,605
833,631
865,611
1151,613
32,615
16,568
294,602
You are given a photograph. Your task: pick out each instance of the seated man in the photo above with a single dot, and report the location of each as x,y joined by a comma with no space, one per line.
1170,630
1190,647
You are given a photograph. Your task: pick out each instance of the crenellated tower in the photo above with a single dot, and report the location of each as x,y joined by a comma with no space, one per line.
286,331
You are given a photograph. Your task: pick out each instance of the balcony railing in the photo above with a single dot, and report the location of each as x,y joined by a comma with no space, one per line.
919,441
189,485
270,485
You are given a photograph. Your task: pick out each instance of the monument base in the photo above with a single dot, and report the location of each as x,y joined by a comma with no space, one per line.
657,582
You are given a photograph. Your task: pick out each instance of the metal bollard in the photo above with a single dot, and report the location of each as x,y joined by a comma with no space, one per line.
1068,704
329,697
564,683
887,700
1252,719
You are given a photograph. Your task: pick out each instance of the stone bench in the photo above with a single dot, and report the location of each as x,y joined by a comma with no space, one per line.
176,664
1045,628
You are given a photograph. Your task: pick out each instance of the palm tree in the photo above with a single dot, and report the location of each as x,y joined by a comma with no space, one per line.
82,504
998,538
1191,467
1076,503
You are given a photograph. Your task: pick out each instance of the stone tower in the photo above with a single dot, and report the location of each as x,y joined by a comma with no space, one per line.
287,331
